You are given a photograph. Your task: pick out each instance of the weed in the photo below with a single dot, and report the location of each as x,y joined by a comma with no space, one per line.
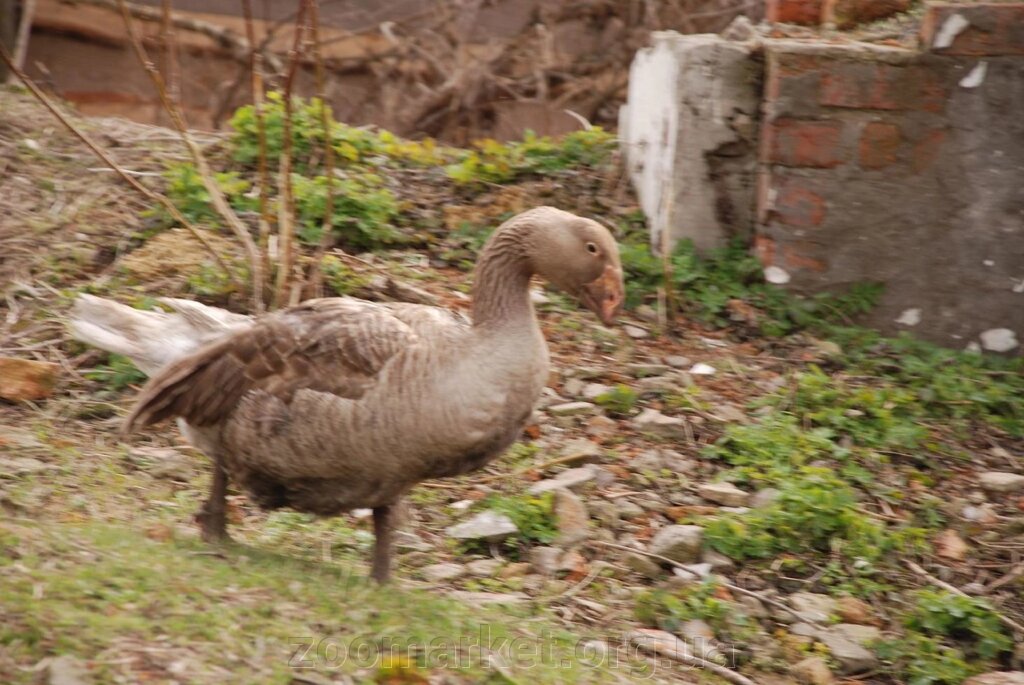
494,162
363,209
620,400
532,514
341,278
117,374
670,609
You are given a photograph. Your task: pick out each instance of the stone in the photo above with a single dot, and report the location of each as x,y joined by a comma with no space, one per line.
646,369
483,568
601,426
853,610
1001,481
801,629
591,391
813,607
23,380
718,561
646,312
514,570
654,422
573,387
763,498
702,369
628,509
658,385
545,560
488,525
437,573
644,565
573,479
852,657
997,678
19,466
580,451
812,671
678,361
572,409
679,543
860,634
571,516
725,494
752,606
739,29
174,466
67,670
635,332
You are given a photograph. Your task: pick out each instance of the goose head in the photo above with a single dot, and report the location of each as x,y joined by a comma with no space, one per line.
579,257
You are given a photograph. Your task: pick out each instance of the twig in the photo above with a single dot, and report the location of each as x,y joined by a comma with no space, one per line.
1007,621
217,198
315,277
730,586
256,73
28,11
114,166
225,38
286,203
689,658
1015,573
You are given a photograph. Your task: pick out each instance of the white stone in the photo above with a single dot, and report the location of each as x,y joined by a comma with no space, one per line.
1001,481
702,369
812,607
572,408
724,493
487,525
999,340
635,331
909,317
572,479
436,573
654,422
678,543
776,275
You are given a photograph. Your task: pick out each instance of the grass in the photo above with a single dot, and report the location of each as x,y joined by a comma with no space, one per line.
109,593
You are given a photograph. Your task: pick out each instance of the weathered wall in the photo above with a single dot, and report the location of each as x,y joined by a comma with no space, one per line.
689,127
899,166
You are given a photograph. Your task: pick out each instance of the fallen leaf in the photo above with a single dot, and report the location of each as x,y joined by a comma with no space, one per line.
949,545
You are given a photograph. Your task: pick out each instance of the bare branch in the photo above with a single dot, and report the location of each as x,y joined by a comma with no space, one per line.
217,198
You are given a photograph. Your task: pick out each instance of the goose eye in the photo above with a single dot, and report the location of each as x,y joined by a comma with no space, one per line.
592,248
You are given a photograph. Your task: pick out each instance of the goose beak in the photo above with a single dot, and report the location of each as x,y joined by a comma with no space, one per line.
604,295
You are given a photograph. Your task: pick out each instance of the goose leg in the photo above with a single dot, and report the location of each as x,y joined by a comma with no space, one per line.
212,517
383,520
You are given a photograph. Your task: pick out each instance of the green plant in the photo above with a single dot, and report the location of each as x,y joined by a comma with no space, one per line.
363,209
532,514
710,286
118,373
185,188
494,162
670,609
620,400
341,278
968,620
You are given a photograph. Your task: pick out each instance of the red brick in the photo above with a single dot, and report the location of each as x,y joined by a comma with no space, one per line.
797,205
859,85
995,28
796,257
764,249
846,14
806,12
927,149
804,143
879,145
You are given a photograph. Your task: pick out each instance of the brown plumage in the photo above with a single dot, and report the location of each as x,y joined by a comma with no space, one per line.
339,403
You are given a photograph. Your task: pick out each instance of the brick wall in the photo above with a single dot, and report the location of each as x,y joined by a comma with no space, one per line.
904,167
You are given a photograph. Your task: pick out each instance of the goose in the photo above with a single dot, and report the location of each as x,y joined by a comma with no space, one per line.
338,403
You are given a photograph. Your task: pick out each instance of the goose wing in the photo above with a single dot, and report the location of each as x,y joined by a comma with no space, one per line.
332,345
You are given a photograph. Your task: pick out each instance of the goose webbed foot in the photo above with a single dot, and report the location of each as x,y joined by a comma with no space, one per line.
212,517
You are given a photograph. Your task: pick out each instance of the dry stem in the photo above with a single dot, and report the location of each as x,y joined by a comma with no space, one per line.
217,198
315,277
286,203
